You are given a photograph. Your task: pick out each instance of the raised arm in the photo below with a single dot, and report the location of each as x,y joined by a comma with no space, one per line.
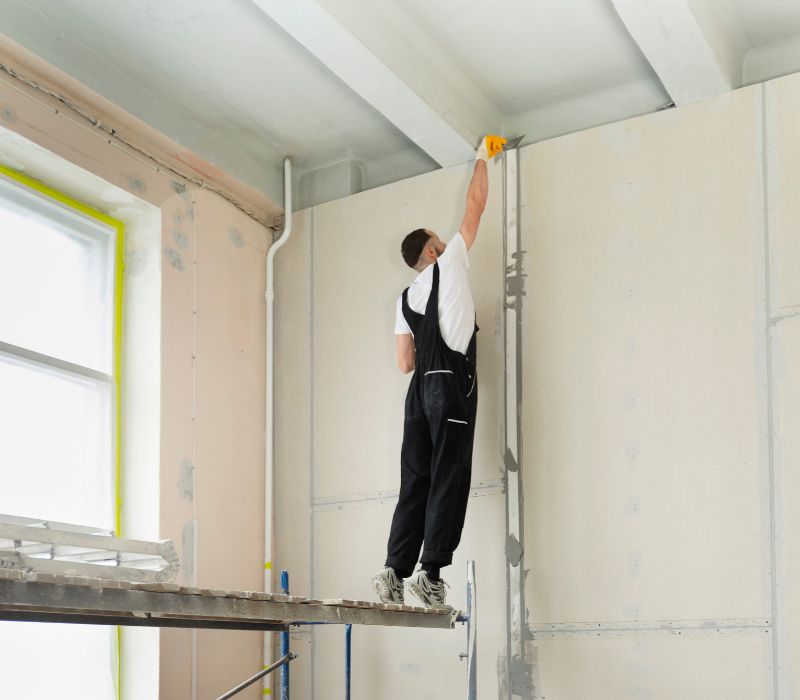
478,191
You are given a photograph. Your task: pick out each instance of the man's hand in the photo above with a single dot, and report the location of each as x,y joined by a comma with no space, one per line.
491,145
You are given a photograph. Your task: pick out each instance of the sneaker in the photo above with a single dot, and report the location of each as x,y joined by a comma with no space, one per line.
431,593
388,587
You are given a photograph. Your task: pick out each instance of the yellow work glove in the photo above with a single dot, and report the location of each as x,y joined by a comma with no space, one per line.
491,145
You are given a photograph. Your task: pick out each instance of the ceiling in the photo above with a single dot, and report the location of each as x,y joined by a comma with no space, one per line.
364,92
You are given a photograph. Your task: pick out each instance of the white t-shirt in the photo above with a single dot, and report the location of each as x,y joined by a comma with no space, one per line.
456,308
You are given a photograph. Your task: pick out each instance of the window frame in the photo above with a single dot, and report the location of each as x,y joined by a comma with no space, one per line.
63,367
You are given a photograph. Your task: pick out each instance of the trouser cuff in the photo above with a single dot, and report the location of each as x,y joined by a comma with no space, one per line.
440,559
402,569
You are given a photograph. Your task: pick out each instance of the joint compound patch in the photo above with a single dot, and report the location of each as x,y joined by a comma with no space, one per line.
513,550
235,237
188,537
180,239
136,184
174,258
634,507
510,462
178,187
8,114
136,261
186,480
521,678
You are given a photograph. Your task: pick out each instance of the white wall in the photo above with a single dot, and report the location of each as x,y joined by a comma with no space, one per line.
645,468
660,382
339,427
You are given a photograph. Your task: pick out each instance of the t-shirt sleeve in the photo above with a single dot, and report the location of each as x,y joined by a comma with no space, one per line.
400,324
456,251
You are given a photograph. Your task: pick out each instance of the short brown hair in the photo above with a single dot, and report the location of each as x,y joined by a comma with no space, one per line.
412,246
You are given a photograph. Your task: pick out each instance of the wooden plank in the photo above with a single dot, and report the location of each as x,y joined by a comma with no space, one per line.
89,601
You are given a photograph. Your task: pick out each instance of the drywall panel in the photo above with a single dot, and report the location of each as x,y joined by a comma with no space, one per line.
786,435
643,475
783,143
177,517
358,275
228,467
229,470
293,549
350,545
659,666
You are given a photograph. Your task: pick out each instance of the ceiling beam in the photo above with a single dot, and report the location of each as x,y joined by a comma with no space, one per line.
672,40
408,103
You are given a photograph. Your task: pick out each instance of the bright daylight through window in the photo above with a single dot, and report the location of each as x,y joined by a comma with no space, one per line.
59,307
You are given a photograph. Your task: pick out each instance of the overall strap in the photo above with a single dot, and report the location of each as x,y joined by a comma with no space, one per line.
432,307
413,319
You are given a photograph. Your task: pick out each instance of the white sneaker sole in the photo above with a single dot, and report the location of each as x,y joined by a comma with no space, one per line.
383,592
426,600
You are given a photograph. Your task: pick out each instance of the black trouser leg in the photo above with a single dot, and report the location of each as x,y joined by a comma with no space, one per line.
408,523
453,432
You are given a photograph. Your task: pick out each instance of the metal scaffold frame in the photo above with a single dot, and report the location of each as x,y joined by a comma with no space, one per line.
44,597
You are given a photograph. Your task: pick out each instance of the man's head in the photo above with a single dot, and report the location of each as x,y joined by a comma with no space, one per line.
421,248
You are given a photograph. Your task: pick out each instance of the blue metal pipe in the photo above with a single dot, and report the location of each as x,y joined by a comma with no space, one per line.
285,642
348,639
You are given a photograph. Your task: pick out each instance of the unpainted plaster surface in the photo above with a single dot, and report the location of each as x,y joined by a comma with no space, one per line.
212,316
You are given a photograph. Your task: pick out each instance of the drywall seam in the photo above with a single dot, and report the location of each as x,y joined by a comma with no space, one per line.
688,628
780,663
312,584
195,540
519,671
509,457
112,137
477,489
764,381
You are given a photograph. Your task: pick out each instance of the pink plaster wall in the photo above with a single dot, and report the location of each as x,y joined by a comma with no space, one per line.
212,354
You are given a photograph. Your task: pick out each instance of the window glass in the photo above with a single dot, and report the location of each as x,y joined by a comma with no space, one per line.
57,434
55,453
44,660
56,280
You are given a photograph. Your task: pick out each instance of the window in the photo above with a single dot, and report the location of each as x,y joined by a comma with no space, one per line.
60,313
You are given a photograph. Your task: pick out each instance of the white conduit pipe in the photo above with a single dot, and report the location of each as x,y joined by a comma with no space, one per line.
269,434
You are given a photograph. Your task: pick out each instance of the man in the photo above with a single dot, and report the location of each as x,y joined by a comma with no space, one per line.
435,329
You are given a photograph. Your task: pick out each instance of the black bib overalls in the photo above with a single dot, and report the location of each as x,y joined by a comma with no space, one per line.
436,457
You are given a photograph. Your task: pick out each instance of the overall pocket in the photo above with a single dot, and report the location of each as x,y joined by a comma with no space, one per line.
446,393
